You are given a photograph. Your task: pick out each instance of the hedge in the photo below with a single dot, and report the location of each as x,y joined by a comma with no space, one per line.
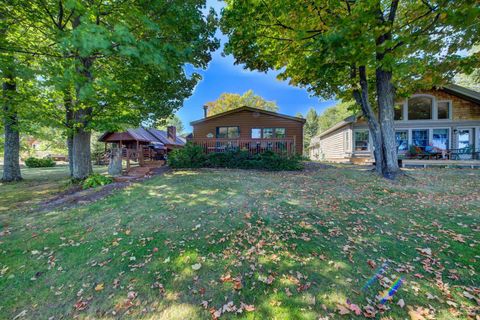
192,156
39,163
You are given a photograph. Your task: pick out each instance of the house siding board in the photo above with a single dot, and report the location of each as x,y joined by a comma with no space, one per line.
247,120
332,146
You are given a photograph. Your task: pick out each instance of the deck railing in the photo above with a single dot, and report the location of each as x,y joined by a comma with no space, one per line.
253,146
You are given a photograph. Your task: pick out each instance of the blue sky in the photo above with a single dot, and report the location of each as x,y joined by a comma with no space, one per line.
223,76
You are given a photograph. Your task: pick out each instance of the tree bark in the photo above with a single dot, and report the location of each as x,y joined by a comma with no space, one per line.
362,98
385,100
82,163
68,103
11,165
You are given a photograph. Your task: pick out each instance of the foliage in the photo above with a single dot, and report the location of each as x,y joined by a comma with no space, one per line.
277,241
333,115
98,148
96,180
193,157
470,78
310,128
230,101
106,64
367,50
190,156
173,121
39,163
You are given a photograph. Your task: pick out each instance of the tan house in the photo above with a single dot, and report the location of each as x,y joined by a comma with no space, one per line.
444,122
250,129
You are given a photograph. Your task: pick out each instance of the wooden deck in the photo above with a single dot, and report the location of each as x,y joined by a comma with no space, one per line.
414,163
252,146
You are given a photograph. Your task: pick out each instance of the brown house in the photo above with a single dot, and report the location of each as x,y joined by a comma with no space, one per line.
249,129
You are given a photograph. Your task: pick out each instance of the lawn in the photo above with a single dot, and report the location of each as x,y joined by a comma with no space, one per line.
253,245
38,185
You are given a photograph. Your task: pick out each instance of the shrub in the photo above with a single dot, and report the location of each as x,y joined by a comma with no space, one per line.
96,180
39,163
190,156
193,157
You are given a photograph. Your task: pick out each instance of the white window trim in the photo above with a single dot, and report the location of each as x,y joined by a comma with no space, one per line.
435,102
450,110
354,141
434,107
450,140
408,137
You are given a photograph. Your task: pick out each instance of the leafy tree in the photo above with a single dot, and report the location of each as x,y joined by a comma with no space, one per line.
230,101
115,62
173,121
471,78
367,50
310,128
335,114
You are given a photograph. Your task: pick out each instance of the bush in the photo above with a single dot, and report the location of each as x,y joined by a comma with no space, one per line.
190,156
96,180
39,163
194,157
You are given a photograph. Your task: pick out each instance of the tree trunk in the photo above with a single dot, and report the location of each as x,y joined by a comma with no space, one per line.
82,163
385,100
362,99
68,103
81,153
11,165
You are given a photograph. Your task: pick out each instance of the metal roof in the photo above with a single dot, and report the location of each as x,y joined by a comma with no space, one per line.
245,108
150,135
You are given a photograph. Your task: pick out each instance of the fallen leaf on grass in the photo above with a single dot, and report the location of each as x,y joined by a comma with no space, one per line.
401,303
342,309
99,287
196,266
81,305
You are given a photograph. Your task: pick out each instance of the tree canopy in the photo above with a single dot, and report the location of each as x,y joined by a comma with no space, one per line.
111,63
230,101
368,50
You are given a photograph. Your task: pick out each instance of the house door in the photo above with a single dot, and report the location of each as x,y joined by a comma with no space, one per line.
465,143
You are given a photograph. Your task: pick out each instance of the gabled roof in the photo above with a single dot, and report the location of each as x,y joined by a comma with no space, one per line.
150,135
340,124
245,108
462,92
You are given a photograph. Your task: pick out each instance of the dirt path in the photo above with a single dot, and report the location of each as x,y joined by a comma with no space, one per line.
77,196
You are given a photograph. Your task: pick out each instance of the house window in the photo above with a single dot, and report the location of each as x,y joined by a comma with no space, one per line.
267,133
228,132
279,132
398,112
361,140
256,133
443,110
401,137
420,138
420,108
440,138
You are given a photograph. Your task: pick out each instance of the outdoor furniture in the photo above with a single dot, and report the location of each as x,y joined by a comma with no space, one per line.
463,154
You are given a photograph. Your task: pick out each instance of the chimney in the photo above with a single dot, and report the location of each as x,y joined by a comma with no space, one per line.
205,111
172,133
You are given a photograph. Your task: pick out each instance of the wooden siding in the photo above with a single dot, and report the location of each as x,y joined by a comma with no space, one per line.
248,120
332,147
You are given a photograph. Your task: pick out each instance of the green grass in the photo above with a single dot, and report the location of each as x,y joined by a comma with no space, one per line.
311,232
38,185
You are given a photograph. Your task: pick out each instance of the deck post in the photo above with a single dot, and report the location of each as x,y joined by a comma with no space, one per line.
128,160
